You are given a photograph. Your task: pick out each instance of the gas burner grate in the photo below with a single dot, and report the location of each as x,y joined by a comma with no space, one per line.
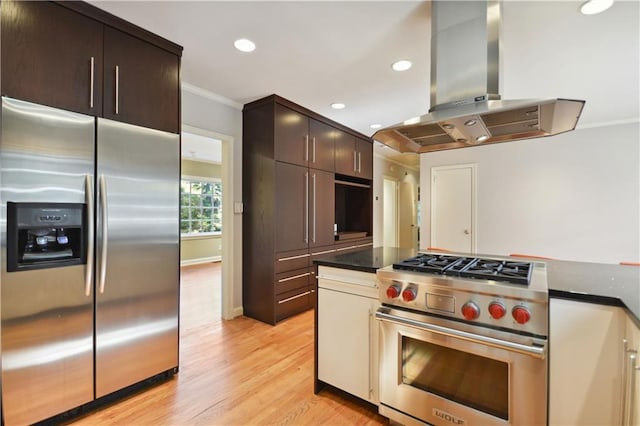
499,270
433,263
515,272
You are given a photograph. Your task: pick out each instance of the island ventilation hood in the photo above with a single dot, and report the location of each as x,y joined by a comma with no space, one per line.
467,109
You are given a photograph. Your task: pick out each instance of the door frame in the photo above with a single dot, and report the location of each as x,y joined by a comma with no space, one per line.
227,217
474,218
384,203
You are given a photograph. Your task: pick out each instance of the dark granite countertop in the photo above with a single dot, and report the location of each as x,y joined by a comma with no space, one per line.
605,284
368,259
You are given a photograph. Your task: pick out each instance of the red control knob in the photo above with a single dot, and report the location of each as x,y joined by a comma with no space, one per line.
521,314
393,291
470,311
409,294
497,310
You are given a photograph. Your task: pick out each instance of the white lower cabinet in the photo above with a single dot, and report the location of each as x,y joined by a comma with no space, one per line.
585,363
348,331
631,375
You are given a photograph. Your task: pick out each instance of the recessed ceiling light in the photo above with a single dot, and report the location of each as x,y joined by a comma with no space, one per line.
482,138
470,123
401,65
595,6
376,126
244,45
413,120
337,105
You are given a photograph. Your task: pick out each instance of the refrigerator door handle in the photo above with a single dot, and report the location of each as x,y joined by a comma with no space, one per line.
105,228
88,277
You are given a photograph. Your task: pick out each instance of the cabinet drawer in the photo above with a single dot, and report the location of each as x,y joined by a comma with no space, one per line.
292,303
292,280
289,261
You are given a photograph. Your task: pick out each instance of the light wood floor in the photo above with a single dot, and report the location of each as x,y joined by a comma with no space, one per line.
238,372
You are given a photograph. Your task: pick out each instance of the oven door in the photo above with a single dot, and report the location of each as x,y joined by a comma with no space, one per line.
443,372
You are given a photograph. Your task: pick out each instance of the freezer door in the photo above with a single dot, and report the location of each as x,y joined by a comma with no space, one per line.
46,155
137,254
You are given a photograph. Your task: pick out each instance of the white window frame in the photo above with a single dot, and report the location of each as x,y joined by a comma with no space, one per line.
200,235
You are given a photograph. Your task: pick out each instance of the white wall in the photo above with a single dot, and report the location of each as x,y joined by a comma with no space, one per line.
383,167
206,112
574,196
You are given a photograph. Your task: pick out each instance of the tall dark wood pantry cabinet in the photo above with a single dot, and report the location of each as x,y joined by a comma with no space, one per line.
289,195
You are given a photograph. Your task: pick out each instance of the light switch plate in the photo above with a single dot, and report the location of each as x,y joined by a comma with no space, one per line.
238,207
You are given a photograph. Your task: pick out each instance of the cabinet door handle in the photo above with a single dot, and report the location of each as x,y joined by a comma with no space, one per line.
289,299
359,162
117,107
295,277
306,208
354,162
313,180
306,148
92,78
284,259
313,150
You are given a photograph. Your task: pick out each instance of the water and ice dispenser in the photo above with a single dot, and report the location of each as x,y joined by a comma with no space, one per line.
45,235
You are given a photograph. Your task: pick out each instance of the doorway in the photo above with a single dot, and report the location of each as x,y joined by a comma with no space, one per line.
390,211
453,208
220,248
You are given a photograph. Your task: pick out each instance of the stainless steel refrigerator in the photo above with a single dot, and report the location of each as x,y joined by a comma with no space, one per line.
89,231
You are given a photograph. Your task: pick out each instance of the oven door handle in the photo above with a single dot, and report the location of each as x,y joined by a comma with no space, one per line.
535,351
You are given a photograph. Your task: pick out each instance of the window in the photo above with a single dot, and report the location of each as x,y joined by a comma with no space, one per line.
200,206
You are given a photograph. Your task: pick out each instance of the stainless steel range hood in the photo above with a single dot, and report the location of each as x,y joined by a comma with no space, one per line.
467,109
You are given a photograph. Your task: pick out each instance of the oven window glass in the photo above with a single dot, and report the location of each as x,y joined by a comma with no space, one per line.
471,380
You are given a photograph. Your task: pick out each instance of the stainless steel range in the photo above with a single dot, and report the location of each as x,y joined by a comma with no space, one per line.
463,341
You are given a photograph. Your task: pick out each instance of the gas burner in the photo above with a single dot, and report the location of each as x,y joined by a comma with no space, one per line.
499,270
426,262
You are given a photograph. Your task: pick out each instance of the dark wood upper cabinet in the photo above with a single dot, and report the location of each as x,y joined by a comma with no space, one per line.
141,82
346,159
321,145
51,56
65,54
291,136
364,150
354,156
302,140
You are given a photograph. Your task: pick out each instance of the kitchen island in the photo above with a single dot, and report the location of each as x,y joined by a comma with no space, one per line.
600,283
594,308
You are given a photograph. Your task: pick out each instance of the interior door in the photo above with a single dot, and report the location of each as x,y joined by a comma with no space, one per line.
137,254
453,208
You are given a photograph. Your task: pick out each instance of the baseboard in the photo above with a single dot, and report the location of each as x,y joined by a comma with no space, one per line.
200,260
237,311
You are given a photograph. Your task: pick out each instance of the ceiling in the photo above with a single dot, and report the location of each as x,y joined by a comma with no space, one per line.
315,53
